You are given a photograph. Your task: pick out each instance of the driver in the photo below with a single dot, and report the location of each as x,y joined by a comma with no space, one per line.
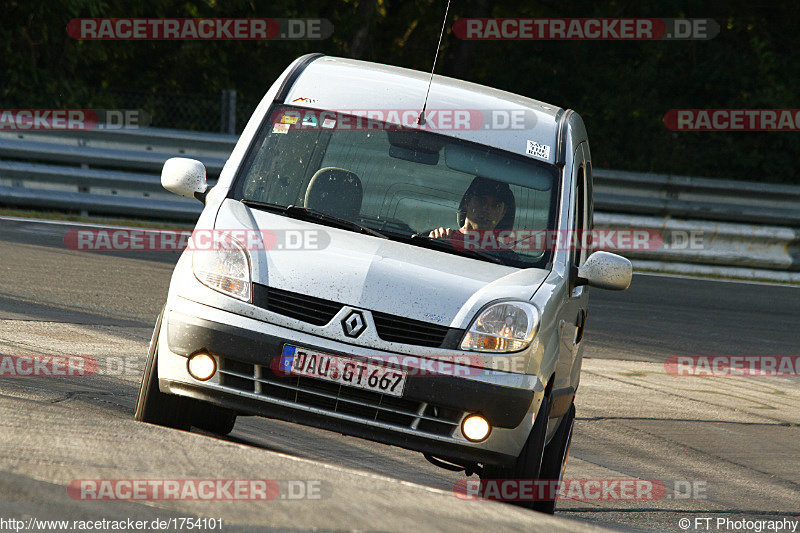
487,205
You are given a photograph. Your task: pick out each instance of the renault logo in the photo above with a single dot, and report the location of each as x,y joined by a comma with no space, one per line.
353,324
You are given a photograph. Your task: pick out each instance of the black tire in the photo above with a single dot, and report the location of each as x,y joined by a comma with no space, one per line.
554,461
529,461
154,406
213,419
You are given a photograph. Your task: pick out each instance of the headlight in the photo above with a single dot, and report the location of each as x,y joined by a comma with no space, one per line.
223,267
503,327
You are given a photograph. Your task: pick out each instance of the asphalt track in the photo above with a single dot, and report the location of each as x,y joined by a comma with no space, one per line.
731,443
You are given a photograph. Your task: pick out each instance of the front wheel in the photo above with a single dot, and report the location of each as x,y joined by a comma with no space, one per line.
214,419
554,461
529,461
154,406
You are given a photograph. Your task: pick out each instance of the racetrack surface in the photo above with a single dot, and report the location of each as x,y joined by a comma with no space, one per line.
735,441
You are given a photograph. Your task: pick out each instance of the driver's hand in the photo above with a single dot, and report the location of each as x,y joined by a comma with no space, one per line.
440,233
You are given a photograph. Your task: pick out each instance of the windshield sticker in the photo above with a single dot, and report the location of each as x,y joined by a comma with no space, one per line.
542,151
310,121
328,123
289,119
281,128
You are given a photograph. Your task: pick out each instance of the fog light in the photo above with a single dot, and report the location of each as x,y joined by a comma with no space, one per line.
475,428
202,366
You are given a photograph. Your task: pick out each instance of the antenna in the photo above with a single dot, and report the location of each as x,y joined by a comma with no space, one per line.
421,119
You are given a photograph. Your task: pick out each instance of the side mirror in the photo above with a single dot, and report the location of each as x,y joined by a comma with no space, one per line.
185,177
605,270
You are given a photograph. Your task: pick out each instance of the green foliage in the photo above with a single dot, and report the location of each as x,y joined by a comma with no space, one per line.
621,88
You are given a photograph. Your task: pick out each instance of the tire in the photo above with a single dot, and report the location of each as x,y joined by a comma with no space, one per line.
554,461
213,419
154,406
529,461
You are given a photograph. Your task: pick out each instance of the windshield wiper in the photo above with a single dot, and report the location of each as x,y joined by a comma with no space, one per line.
306,213
275,208
445,246
312,215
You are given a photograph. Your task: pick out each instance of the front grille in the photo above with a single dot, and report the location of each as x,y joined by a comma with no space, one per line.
298,306
334,398
404,330
320,312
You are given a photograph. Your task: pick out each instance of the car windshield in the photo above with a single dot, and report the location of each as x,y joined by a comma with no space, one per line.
403,183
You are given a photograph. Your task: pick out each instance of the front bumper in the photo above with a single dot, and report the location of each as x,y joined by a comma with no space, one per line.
427,418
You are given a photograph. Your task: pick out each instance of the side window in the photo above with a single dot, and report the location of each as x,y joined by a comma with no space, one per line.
589,197
579,224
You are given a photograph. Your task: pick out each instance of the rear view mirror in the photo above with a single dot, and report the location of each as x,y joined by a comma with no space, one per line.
185,177
605,270
490,164
411,146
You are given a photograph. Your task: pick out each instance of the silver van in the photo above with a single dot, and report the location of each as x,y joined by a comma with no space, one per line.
377,259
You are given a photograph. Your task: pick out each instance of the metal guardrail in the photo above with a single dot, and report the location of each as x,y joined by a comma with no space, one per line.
149,208
711,243
104,172
116,172
95,156
696,198
148,139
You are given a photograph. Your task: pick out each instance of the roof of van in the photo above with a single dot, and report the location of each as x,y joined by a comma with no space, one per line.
455,108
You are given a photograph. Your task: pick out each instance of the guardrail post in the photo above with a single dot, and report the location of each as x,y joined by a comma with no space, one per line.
228,112
84,189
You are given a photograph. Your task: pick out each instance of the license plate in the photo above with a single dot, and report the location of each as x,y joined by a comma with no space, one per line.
343,370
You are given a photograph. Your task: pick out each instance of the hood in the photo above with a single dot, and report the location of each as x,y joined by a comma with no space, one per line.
376,274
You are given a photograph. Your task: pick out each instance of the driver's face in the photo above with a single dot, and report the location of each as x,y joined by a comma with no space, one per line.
484,212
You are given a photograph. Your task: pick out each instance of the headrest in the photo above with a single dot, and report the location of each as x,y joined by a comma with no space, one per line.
335,191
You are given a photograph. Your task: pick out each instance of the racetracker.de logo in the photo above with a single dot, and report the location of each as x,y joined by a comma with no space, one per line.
284,121
733,365
567,489
72,119
356,371
197,29
198,489
521,240
732,119
134,240
47,365
601,29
